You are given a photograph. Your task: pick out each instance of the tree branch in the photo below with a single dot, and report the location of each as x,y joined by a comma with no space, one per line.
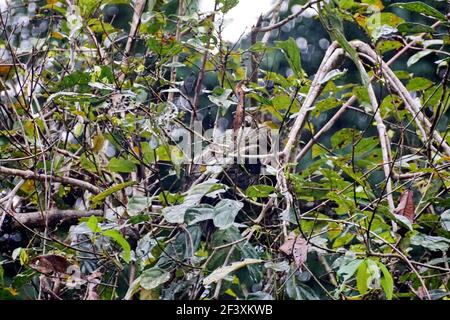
281,23
40,219
28,174
138,11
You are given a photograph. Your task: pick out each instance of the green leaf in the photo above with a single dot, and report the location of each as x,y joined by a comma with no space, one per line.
292,54
404,221
384,46
153,278
20,253
382,23
297,290
344,137
118,237
386,281
281,102
75,78
346,271
410,27
92,224
211,188
325,105
259,191
121,165
198,214
136,205
430,242
225,213
368,276
102,196
361,278
366,145
227,5
416,57
175,214
421,8
418,83
346,4
333,75
222,100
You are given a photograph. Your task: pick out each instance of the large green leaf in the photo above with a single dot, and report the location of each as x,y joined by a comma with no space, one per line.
347,270
386,281
199,213
259,191
121,165
430,242
367,276
421,8
410,27
175,214
227,5
118,237
292,54
154,277
225,213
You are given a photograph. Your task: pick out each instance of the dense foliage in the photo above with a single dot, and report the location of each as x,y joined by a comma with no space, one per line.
116,115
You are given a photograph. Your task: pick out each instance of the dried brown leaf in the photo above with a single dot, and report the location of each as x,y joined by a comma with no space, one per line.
50,263
300,251
297,247
240,109
93,281
406,205
288,245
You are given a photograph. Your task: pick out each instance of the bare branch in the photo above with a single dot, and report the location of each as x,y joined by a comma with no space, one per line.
28,174
36,219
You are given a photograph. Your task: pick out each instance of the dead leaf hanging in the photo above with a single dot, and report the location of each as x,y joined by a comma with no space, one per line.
297,247
240,109
406,205
288,245
50,263
93,281
300,251
6,70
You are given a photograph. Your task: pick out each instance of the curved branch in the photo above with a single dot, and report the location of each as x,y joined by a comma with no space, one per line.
28,174
385,146
37,219
413,106
332,58
138,11
281,23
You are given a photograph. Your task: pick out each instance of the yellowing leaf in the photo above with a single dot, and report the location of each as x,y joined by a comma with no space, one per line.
361,20
28,186
58,35
97,143
378,4
6,71
12,291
